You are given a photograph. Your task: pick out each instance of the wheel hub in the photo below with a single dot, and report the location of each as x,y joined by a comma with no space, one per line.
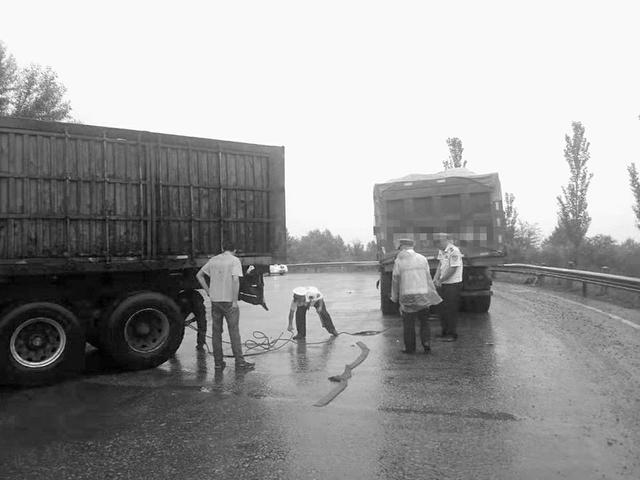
146,330
38,342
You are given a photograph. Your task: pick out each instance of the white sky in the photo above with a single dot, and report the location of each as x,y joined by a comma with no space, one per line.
360,92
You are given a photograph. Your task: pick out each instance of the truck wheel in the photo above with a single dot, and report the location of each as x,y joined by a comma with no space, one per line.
386,305
39,343
479,304
142,331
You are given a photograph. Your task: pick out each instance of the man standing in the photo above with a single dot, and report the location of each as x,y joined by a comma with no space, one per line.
224,272
303,299
412,287
448,279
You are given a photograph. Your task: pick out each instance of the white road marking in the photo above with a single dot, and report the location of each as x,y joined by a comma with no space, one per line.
597,310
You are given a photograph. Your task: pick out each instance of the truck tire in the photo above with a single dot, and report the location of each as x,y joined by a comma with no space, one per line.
142,331
386,305
40,343
479,304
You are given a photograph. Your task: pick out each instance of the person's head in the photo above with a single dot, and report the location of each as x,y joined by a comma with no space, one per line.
405,244
229,247
441,240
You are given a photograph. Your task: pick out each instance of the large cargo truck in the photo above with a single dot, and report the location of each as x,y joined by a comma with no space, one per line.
456,202
102,231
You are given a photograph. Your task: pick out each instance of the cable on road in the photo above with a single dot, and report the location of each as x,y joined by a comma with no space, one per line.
261,343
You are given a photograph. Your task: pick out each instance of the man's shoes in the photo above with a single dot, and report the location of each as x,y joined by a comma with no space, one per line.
408,351
220,366
334,332
298,337
200,348
449,338
244,365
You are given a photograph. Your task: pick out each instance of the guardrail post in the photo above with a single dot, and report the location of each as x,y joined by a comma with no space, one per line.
572,265
604,289
584,289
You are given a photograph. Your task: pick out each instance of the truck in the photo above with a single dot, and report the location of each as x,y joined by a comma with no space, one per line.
102,232
456,202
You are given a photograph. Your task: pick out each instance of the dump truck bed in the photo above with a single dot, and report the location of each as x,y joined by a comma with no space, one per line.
457,202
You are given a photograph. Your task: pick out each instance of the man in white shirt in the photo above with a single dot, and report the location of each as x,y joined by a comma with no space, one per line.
303,299
448,279
224,272
412,287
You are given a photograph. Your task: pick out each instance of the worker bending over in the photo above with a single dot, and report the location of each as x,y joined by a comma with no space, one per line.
303,299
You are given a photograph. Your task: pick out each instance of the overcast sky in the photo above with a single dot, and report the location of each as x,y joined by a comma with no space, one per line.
361,92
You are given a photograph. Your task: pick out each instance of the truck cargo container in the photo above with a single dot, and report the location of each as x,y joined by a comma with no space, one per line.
102,231
456,202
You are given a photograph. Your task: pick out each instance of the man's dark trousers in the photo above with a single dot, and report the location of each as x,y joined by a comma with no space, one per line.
450,293
409,323
301,318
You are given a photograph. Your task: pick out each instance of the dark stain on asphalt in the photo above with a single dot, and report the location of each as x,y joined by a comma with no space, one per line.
480,414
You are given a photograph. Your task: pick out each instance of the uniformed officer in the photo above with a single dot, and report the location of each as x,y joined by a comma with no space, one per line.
448,280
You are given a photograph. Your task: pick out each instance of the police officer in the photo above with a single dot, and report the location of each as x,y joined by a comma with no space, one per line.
448,280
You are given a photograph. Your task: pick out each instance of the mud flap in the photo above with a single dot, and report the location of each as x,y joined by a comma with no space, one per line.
252,289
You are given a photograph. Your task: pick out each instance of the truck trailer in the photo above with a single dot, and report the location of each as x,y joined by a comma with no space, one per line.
456,202
102,231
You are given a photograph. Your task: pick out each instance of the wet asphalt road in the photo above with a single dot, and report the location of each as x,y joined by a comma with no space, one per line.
540,388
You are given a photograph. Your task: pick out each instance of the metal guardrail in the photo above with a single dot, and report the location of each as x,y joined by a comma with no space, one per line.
332,266
364,263
604,280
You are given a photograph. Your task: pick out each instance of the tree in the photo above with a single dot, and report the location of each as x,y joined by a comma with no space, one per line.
356,251
527,235
8,69
372,250
573,217
601,251
316,246
510,218
40,95
30,92
526,241
455,154
635,189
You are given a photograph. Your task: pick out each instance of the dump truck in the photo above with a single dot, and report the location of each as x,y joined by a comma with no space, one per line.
457,202
102,232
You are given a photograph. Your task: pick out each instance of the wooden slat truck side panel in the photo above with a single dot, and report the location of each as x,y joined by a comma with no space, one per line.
70,192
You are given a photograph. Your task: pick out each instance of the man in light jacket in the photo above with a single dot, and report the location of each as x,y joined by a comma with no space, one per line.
413,288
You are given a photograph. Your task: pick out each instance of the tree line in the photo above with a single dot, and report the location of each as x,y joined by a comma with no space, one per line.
32,91
323,246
